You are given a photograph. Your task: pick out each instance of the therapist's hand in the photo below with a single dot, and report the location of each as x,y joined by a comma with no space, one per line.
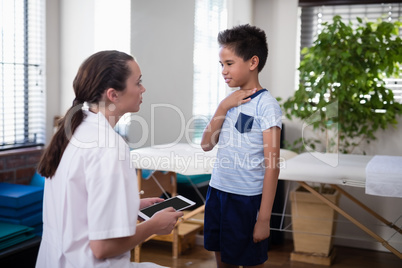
146,202
165,220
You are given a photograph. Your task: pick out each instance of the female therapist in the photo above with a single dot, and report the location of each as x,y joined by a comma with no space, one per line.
91,196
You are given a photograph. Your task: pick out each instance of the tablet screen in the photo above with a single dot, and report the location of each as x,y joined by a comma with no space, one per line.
177,202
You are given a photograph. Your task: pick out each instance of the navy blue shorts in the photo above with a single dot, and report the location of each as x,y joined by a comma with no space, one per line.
229,225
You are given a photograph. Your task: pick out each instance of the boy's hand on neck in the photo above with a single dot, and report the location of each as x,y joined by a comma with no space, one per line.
237,98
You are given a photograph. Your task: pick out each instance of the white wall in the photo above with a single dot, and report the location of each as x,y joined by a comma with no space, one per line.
239,12
53,89
162,42
69,40
77,43
75,30
279,20
112,25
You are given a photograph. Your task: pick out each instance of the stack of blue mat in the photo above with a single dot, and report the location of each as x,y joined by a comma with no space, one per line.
20,213
12,234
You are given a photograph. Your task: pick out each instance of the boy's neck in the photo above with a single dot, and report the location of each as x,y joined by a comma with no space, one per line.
252,83
258,86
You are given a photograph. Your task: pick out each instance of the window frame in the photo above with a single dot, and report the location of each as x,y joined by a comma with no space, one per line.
25,87
206,48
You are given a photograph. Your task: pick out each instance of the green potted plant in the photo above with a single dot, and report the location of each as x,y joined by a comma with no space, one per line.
346,68
343,96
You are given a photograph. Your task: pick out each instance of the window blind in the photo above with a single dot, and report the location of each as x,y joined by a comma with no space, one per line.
208,86
305,3
313,16
22,106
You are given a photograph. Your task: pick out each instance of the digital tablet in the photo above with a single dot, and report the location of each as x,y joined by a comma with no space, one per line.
177,202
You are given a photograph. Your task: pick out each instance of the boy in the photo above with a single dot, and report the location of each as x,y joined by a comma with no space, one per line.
246,126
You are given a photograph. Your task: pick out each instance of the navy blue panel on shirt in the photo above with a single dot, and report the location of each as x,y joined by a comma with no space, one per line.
244,123
256,94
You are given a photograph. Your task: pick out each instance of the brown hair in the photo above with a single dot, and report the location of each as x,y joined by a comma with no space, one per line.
102,70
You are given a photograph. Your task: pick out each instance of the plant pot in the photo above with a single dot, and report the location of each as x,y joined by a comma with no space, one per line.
312,222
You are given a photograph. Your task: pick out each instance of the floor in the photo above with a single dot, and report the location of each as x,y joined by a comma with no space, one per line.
279,257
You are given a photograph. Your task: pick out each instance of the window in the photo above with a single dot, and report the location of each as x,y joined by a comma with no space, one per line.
312,16
209,87
22,99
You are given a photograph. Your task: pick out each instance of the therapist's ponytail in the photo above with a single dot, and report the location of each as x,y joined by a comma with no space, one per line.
102,70
66,126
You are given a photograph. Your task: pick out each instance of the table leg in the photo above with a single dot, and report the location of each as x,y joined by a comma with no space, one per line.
369,210
353,220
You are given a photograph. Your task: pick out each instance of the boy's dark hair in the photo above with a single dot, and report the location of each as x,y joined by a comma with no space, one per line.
246,41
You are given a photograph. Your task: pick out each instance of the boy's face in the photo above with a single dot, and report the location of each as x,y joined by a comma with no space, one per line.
235,70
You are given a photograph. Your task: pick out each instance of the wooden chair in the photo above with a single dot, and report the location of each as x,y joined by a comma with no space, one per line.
183,235
158,184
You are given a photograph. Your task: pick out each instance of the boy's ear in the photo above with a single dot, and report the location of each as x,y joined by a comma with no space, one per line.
254,61
112,94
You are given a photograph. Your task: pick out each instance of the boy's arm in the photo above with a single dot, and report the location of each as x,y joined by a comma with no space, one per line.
211,133
271,139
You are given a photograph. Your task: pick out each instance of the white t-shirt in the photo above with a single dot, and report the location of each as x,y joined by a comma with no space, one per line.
92,196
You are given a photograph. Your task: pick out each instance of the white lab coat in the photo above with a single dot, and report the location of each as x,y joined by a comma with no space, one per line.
92,196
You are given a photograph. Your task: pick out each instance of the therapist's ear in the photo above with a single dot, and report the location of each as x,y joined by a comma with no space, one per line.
112,95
